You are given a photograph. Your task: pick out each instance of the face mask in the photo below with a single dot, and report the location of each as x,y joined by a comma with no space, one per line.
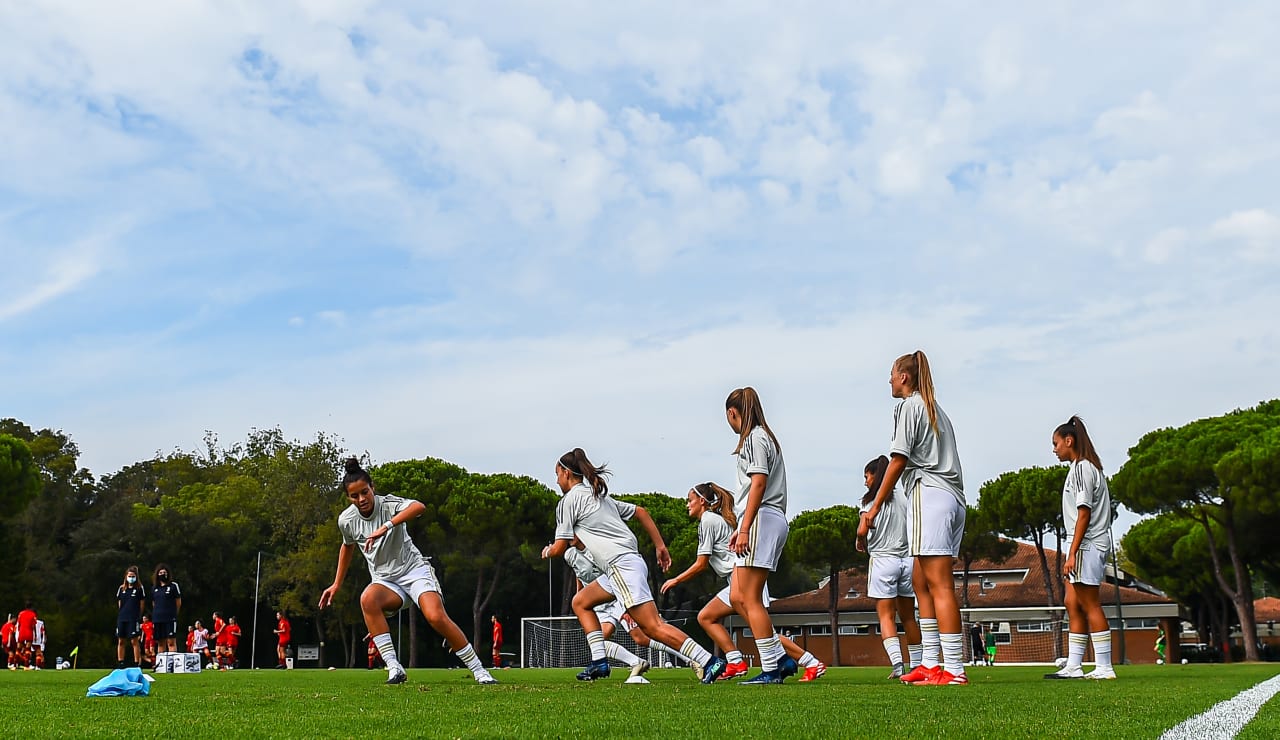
132,579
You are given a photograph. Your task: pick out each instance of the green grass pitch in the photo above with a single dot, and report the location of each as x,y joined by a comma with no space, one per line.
1001,702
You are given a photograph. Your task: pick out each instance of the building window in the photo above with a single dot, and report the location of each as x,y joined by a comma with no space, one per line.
1037,626
855,629
820,630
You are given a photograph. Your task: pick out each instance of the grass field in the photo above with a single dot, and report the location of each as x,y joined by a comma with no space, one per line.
1001,702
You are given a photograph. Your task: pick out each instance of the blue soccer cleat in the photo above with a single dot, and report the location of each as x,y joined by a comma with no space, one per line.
787,666
595,669
711,671
764,677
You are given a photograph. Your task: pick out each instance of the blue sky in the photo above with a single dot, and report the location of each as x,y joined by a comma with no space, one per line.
488,233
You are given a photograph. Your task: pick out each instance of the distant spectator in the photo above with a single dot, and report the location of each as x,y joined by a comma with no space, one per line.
284,635
166,602
131,596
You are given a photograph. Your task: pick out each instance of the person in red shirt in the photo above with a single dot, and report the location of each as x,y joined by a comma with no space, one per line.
26,634
219,638
9,641
148,640
371,647
233,633
285,634
497,642
191,637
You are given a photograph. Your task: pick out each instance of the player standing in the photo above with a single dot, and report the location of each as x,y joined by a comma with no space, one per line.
712,506
1086,516
586,511
166,601
924,455
26,634
37,645
377,524
761,510
284,636
890,571
130,598
9,641
497,641
233,634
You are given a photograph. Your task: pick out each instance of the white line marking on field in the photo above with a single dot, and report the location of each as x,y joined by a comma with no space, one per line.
1226,718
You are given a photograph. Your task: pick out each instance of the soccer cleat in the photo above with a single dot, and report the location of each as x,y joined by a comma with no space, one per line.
920,674
733,670
1066,672
483,677
395,677
788,666
763,678
697,670
943,678
639,669
1101,674
595,669
896,672
813,672
713,670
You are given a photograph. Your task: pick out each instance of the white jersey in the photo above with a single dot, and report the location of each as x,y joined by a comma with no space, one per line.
1087,486
759,454
39,636
583,566
888,534
394,554
199,641
599,521
932,458
713,541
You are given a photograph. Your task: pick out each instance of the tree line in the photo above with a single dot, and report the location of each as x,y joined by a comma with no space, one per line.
1212,488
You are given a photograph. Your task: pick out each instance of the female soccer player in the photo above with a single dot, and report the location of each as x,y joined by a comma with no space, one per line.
610,613
1086,515
712,506
284,636
924,455
761,510
166,600
130,597
586,511
889,573
377,525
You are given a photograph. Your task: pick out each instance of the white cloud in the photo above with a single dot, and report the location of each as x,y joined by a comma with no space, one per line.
1256,231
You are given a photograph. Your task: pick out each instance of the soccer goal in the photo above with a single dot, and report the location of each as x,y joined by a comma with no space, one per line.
1037,636
558,642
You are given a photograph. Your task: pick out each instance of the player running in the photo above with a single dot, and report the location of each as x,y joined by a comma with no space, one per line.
890,569
1086,516
377,525
712,506
610,613
924,456
587,512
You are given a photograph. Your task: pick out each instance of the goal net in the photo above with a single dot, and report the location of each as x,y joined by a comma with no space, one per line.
1038,636
558,642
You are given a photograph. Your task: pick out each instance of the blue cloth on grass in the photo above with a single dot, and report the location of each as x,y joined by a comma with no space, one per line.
121,682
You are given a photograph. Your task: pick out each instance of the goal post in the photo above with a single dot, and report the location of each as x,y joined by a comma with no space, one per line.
558,642
1027,635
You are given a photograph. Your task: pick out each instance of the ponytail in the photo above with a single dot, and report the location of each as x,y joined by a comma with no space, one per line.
747,403
575,461
877,467
916,366
1074,428
718,500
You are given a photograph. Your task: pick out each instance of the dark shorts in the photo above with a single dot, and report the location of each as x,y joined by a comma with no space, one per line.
127,630
165,630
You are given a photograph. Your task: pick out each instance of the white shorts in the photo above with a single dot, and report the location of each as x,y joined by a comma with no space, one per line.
768,535
629,580
889,577
411,586
724,593
1089,568
935,522
609,611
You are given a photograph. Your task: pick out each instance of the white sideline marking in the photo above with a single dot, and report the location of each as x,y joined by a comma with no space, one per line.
1226,718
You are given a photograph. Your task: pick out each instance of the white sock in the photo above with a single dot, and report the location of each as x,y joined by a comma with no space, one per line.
695,652
930,644
1076,644
674,654
768,648
1102,649
734,656
914,652
806,660
469,658
621,654
388,652
893,649
595,642
953,653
